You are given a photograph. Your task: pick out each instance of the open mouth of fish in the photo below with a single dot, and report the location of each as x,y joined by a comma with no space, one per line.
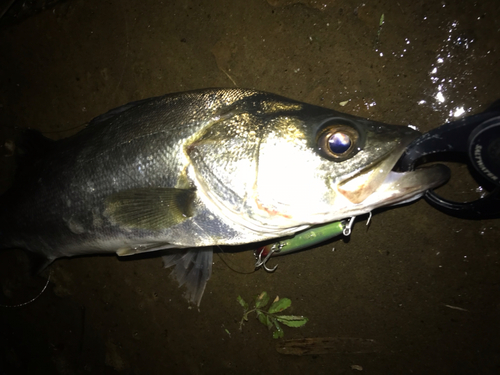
380,184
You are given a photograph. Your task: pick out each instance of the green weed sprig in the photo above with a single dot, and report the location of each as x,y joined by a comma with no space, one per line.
270,318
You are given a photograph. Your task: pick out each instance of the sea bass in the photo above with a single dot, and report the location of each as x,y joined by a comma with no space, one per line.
200,169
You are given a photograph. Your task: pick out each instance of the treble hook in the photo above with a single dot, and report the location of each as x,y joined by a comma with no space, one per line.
262,262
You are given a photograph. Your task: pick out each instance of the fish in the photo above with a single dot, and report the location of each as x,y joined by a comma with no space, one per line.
187,172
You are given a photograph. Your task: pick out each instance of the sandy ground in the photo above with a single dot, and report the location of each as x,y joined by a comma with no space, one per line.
423,285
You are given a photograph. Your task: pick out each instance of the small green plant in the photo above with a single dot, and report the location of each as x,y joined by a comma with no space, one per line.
270,318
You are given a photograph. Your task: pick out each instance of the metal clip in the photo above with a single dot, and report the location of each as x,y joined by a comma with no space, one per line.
348,227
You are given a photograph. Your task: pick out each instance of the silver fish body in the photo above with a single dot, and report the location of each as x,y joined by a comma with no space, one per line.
204,168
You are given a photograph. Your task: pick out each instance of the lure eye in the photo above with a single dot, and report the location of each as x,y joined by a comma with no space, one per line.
337,142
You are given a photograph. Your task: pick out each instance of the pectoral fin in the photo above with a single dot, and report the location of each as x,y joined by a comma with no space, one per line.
150,208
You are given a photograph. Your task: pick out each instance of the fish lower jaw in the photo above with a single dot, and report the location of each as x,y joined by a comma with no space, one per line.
402,187
406,187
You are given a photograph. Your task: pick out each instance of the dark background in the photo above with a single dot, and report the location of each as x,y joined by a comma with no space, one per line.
399,283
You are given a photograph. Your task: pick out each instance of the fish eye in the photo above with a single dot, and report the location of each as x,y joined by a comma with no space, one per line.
337,142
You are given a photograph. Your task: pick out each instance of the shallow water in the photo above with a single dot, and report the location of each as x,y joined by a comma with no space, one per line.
421,284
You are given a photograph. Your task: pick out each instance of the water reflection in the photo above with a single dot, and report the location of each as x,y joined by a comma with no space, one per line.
454,44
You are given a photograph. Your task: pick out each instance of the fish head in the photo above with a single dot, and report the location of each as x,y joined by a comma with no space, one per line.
277,167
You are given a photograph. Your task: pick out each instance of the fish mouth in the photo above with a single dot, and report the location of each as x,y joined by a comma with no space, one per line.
379,184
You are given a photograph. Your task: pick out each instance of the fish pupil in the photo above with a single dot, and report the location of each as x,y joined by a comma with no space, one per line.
339,143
